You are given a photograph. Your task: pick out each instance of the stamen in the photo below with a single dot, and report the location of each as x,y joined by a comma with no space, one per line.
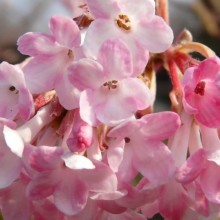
13,89
70,54
123,22
200,88
114,81
127,139
111,84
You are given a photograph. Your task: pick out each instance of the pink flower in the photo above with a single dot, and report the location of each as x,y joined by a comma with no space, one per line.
70,178
14,95
168,204
109,94
144,149
52,54
204,165
134,22
201,88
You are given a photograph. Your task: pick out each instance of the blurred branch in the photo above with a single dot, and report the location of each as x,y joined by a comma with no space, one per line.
209,13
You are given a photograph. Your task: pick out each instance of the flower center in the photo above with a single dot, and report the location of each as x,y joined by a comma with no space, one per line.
200,88
13,89
111,84
123,22
127,139
70,54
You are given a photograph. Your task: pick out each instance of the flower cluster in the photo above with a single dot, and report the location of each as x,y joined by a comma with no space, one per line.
79,139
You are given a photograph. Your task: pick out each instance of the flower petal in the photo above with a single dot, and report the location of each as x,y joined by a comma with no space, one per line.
86,73
10,167
70,196
108,196
42,185
115,153
192,167
189,81
100,179
116,59
208,107
208,69
140,55
98,31
40,73
170,204
45,158
26,104
65,31
157,165
116,106
87,103
127,164
160,126
209,181
102,9
155,35
13,141
77,162
34,44
124,129
68,94
138,9
45,209
14,95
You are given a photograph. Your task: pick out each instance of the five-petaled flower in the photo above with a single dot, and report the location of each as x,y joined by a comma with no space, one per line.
201,88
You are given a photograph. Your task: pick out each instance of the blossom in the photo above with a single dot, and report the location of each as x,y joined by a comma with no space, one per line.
201,87
109,94
143,149
203,166
134,22
14,94
70,178
51,55
192,197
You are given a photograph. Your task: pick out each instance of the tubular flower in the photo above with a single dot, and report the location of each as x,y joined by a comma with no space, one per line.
110,95
201,88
